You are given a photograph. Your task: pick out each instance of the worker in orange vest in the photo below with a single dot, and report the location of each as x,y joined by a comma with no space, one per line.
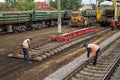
25,47
112,24
92,49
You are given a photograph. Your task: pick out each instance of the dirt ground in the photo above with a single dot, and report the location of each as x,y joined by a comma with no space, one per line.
13,41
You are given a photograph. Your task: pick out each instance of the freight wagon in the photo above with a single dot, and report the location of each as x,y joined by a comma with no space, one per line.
89,13
16,21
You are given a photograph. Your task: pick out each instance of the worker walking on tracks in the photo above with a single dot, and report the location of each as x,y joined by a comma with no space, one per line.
93,50
25,47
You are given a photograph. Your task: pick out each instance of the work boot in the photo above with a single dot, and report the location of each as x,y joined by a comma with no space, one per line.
30,62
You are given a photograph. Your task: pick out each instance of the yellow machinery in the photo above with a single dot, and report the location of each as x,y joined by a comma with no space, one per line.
76,19
114,5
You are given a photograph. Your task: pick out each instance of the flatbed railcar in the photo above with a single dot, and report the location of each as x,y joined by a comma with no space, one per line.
16,21
13,21
89,13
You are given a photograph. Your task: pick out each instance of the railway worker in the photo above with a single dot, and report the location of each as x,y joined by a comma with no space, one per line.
91,21
112,24
118,25
93,50
86,22
26,45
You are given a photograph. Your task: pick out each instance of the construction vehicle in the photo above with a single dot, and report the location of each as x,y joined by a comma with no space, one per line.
76,19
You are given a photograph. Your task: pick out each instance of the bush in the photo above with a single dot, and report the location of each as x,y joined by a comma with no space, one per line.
2,5
19,6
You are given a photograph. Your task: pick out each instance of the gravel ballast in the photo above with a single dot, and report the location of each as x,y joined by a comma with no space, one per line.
64,71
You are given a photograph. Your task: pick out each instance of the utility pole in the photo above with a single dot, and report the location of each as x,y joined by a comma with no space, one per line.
59,17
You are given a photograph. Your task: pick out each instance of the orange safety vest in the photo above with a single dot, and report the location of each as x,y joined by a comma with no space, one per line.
94,48
25,43
112,23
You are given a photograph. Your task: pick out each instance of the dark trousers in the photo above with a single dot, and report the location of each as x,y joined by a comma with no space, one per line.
117,26
95,57
26,55
112,27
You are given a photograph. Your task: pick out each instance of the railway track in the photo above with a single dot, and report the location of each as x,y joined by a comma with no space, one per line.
112,69
10,65
102,71
85,71
49,49
116,73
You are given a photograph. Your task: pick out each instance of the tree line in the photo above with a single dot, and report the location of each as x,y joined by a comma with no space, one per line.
67,4
31,5
19,5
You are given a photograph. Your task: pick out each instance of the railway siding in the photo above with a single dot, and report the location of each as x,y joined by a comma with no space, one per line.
90,73
49,65
47,50
64,71
116,75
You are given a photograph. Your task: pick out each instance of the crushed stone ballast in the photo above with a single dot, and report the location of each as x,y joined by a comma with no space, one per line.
64,71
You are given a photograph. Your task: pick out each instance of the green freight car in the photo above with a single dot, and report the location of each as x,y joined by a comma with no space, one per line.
10,21
47,18
44,18
15,21
89,13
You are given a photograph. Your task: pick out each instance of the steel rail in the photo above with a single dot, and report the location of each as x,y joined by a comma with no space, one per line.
112,69
67,70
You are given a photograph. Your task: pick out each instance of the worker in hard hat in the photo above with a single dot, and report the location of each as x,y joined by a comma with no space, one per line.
26,45
86,22
93,50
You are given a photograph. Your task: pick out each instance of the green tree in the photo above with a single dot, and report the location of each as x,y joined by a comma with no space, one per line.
10,1
67,4
93,6
25,5
21,4
53,3
2,5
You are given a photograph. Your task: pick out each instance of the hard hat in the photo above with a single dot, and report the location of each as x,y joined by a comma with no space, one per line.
84,45
30,39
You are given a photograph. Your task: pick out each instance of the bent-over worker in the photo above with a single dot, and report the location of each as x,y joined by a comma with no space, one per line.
92,49
25,47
